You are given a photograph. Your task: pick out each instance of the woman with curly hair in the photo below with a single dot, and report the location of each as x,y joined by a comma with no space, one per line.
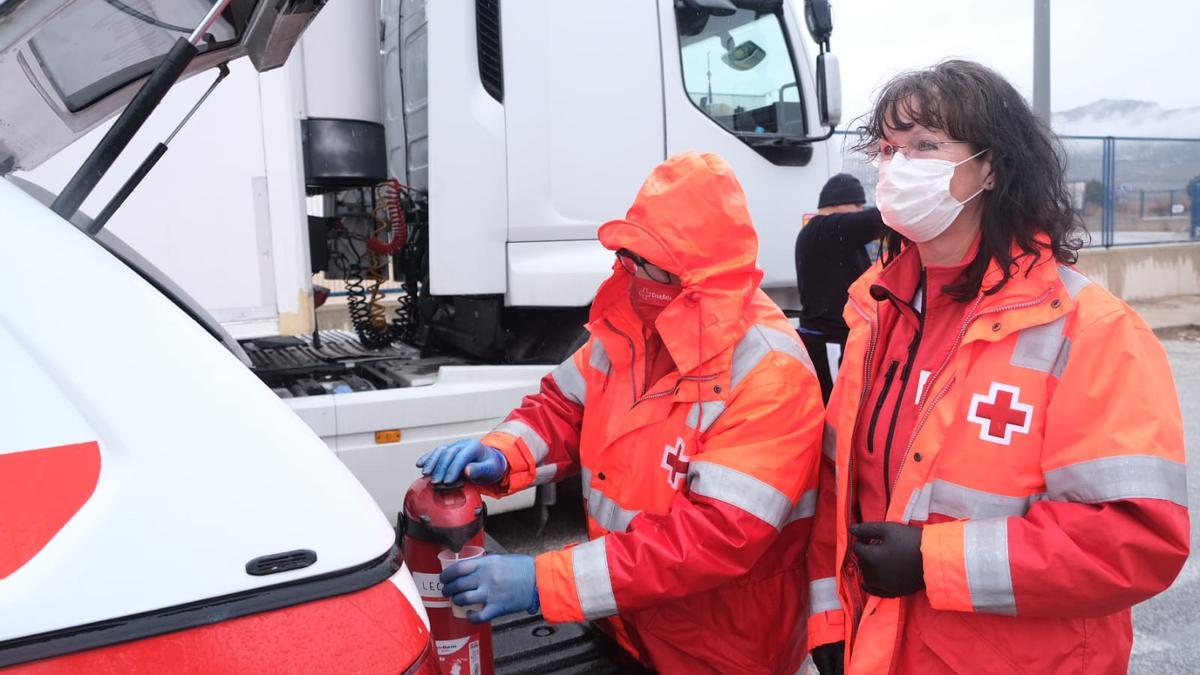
1007,439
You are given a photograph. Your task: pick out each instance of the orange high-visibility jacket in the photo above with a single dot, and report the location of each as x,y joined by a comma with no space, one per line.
1047,467
700,491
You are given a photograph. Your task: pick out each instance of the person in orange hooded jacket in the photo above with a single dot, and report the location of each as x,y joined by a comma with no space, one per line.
695,418
1008,442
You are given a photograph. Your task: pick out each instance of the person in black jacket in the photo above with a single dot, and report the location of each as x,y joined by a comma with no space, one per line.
831,253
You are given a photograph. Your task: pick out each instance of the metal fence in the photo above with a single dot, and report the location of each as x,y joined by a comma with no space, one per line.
1127,190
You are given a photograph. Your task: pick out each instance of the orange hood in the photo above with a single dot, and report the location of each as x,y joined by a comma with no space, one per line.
690,218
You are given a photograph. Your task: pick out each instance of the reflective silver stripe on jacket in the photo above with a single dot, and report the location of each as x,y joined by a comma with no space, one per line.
599,359
717,481
605,510
829,442
805,508
1043,348
592,580
961,502
1073,280
1122,477
537,447
703,413
608,513
989,576
760,341
545,474
570,381
822,596
755,345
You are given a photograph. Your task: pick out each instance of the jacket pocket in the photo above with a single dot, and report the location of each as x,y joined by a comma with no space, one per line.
751,626
950,636
990,643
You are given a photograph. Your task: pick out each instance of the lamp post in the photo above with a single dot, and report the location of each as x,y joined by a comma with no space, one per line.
1041,58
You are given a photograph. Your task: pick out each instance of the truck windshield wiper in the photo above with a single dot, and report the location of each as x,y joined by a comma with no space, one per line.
775,138
164,76
759,138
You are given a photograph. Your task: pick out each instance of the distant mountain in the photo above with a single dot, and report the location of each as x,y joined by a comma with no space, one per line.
1110,117
1145,165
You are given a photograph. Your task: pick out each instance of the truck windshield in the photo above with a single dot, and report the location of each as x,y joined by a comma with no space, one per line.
739,70
93,47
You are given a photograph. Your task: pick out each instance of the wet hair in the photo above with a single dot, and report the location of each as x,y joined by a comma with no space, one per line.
1028,199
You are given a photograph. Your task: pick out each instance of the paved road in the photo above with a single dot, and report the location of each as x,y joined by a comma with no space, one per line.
1166,629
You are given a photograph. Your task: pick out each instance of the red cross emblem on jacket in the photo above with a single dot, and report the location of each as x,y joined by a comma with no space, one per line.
676,462
1000,413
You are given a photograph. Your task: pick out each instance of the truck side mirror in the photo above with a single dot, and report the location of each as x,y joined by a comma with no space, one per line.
829,89
709,7
819,17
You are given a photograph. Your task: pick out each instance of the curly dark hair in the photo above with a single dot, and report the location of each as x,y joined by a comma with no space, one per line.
1029,200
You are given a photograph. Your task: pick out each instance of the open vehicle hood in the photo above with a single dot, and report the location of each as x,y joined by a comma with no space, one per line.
68,65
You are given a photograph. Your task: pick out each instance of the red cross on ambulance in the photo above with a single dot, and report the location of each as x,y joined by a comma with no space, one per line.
1000,413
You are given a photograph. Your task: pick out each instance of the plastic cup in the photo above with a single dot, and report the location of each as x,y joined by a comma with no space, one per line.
448,558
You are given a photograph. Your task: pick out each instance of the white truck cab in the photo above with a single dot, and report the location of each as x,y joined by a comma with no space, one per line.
530,123
480,144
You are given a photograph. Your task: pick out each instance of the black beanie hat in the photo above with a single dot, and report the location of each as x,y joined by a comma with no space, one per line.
842,189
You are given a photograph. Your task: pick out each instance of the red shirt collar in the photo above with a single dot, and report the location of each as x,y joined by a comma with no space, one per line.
901,278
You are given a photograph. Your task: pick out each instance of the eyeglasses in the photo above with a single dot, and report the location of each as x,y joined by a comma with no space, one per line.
632,262
920,147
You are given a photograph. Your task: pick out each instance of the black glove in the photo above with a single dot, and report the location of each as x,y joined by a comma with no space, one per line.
889,555
829,659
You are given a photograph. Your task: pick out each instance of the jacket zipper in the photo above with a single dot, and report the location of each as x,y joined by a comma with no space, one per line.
632,361
675,388
926,412
856,609
962,333
887,385
862,398
862,401
633,371
913,348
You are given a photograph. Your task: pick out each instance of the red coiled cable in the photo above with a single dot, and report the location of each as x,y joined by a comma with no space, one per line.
395,211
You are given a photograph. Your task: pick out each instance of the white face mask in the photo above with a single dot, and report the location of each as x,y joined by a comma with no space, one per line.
913,195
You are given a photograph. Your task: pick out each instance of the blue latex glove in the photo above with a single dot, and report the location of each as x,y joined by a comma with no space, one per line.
503,584
480,464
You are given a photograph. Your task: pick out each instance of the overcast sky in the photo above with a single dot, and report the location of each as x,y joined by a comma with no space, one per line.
1117,49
